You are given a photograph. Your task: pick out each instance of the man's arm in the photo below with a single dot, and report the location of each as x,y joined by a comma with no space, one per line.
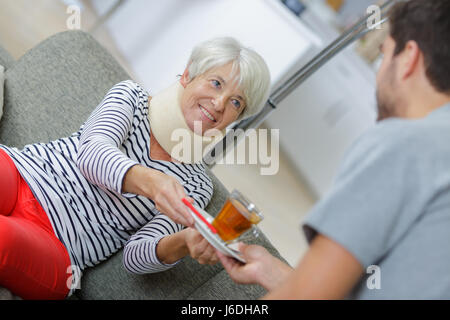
327,271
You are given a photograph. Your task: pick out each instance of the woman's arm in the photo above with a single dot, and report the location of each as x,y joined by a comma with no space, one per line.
161,243
186,242
172,248
164,190
140,255
328,271
100,160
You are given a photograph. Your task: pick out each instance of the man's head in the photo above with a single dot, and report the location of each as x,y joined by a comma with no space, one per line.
416,61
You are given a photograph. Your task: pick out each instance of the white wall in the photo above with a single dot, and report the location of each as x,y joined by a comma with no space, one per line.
157,36
320,119
317,122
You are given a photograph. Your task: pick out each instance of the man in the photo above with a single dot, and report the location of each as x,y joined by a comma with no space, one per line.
383,230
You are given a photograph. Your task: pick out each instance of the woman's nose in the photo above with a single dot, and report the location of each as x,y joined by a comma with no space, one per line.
218,103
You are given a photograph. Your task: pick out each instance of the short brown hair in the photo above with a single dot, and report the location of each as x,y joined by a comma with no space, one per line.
426,22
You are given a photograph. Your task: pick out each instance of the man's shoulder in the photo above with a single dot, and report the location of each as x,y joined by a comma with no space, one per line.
396,129
404,134
400,142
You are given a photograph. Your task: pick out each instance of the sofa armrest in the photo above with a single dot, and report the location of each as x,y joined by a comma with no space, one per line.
187,280
63,78
110,280
49,93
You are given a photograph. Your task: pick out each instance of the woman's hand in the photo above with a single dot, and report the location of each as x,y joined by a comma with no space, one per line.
199,248
164,190
261,268
186,242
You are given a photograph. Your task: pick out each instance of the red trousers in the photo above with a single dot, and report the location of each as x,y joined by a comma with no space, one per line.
34,264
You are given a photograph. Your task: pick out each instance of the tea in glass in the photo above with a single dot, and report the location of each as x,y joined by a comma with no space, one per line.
236,217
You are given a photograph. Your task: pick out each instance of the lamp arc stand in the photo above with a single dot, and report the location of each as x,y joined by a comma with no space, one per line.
231,139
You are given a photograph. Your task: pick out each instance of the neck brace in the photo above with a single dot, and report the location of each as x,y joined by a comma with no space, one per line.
170,129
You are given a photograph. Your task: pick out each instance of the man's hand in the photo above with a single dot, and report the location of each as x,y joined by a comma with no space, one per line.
261,267
327,271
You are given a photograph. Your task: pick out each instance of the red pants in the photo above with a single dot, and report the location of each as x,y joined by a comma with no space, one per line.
34,264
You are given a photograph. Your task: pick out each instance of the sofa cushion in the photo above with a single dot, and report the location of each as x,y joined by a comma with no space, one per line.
49,93
111,281
5,294
52,89
221,288
187,280
184,281
5,58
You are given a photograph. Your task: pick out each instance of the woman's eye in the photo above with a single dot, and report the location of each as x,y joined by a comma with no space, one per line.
216,83
236,103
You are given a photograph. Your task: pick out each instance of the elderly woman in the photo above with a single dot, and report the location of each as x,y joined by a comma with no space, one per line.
73,202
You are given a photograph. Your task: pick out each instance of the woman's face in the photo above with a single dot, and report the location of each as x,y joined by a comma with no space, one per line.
212,98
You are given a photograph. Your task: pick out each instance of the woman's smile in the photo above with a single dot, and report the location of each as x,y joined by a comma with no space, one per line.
207,114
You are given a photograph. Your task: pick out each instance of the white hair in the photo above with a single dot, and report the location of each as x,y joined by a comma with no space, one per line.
250,68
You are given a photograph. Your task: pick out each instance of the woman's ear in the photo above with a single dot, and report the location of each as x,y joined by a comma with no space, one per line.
184,80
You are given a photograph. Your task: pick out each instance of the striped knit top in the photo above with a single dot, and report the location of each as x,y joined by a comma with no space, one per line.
78,182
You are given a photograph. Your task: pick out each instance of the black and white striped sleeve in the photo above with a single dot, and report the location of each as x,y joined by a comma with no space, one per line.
140,251
203,191
99,158
139,255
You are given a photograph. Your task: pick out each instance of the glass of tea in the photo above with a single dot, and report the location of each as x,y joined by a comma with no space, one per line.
237,216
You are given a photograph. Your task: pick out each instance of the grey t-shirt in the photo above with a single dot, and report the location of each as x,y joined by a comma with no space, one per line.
390,207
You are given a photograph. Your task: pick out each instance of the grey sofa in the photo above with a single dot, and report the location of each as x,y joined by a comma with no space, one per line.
49,93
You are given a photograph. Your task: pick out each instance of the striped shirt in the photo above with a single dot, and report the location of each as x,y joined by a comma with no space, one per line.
78,182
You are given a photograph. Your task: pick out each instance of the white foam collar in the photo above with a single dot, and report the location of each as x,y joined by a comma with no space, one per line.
171,130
